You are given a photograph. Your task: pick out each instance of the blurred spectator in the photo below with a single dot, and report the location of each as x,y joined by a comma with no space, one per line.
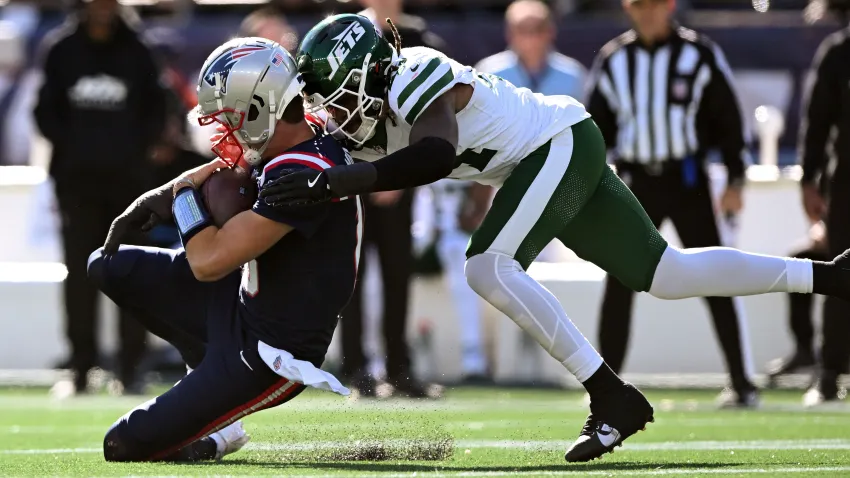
102,107
389,231
825,127
413,30
674,99
531,60
270,23
173,153
460,208
14,129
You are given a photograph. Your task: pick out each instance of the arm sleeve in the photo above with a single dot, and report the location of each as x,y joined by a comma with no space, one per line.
602,101
304,219
820,109
424,162
722,113
52,104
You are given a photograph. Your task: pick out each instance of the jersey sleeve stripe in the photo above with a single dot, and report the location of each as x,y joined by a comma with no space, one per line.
418,80
428,96
314,161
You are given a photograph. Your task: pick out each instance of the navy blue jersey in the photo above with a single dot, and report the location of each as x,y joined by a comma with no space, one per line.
292,294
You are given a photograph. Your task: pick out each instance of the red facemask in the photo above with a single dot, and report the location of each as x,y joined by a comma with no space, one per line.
224,143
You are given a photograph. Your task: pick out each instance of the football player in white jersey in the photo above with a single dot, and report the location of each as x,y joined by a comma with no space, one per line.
416,116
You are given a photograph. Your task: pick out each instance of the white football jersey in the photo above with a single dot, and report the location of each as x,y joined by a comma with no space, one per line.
501,124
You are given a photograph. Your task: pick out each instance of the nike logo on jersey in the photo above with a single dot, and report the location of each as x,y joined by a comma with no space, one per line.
415,67
245,361
607,435
312,183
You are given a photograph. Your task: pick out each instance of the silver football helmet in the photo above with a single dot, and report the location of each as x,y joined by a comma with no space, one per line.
244,87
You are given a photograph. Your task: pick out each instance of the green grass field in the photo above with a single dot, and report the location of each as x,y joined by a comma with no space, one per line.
472,432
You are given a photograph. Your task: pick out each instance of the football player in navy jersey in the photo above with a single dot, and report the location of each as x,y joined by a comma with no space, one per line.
218,300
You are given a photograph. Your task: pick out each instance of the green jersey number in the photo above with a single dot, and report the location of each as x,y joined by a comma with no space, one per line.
478,161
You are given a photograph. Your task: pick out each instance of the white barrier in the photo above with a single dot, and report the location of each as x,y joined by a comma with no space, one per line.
667,337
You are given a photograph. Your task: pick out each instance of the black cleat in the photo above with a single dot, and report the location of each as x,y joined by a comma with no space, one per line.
613,418
833,278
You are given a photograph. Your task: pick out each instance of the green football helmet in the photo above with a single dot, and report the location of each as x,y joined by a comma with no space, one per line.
346,65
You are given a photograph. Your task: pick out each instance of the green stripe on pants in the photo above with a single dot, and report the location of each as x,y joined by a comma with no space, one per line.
564,189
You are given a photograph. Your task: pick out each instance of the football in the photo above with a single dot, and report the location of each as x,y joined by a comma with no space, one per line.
228,192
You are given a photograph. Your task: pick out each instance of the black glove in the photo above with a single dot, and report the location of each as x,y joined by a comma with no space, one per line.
150,209
305,186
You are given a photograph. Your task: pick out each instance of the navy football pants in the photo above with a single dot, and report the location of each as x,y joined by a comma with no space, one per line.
229,380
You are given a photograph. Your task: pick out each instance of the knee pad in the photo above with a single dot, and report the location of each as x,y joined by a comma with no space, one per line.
486,274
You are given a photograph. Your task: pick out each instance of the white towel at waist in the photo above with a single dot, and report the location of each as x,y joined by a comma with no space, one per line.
284,364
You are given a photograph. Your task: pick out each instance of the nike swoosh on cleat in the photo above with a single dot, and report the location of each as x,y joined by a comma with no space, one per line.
607,436
313,182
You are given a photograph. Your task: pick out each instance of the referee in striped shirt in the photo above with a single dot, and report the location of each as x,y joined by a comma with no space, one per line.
662,95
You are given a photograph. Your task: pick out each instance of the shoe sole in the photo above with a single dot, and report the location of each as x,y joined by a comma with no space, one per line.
610,449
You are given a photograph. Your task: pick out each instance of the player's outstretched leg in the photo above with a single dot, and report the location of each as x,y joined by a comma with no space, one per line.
534,205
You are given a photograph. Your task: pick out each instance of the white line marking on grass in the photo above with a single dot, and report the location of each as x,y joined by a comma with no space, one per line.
50,451
654,472
815,444
821,444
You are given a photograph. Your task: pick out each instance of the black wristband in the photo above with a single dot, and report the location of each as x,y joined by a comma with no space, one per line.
190,214
351,179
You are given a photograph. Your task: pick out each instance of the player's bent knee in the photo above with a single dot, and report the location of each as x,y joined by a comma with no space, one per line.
487,273
96,266
115,448
480,273
103,269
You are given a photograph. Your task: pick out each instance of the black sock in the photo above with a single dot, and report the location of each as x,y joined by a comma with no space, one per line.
826,278
602,381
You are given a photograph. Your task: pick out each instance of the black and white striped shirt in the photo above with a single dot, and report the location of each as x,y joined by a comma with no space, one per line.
669,101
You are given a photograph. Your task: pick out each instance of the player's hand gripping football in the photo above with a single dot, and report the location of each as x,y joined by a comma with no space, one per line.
306,186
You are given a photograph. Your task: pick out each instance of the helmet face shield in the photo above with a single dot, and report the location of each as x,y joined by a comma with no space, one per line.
355,114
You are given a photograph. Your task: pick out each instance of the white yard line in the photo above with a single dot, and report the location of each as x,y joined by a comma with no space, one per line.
816,444
584,472
615,472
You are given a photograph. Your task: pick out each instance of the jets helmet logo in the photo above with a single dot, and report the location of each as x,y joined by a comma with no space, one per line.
345,41
223,64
